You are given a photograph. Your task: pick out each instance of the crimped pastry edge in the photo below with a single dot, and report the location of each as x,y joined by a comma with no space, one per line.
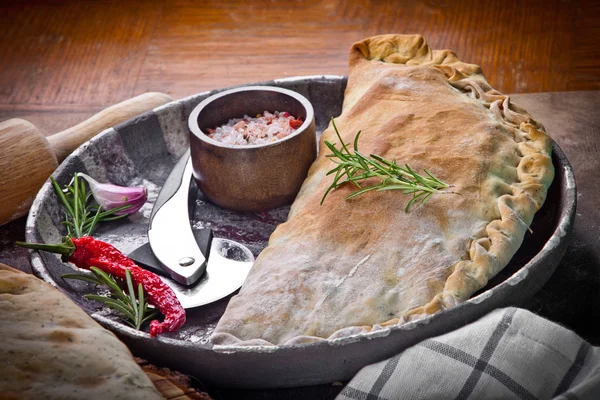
487,254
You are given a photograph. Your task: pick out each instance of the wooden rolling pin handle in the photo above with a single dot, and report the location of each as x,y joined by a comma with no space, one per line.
63,143
28,158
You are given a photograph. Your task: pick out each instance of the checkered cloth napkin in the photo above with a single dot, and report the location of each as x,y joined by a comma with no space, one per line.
510,353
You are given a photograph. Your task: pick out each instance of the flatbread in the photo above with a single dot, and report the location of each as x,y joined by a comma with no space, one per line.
51,349
354,266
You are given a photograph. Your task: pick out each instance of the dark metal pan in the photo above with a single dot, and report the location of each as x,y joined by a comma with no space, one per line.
143,150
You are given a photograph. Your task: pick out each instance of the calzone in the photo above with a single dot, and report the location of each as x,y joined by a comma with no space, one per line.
353,266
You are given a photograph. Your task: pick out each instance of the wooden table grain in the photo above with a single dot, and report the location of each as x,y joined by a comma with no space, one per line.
62,61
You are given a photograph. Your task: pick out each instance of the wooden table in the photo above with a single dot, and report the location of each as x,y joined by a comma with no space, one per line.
61,62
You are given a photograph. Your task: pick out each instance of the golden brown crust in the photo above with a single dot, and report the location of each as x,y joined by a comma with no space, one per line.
50,348
356,266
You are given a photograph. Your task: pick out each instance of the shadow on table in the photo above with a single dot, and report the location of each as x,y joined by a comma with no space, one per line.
572,295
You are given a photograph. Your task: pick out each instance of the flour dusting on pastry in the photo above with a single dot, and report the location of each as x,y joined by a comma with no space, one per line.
428,109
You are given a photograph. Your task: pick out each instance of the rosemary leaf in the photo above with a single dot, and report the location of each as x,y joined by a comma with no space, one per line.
82,215
76,207
149,317
414,199
82,277
131,305
130,324
61,196
111,303
141,306
357,167
105,217
361,191
107,280
131,294
90,227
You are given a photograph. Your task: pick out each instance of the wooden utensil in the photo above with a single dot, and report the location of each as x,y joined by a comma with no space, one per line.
27,157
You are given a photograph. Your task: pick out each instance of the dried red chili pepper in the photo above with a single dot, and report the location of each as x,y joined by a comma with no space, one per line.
86,252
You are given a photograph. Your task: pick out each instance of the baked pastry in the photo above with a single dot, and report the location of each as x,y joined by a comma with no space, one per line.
51,349
352,266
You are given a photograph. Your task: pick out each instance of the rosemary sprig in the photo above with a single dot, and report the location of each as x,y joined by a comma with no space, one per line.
81,215
353,167
123,298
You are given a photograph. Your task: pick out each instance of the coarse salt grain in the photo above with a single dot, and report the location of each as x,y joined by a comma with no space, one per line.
262,129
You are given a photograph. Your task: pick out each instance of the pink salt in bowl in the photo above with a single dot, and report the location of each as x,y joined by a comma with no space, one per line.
251,177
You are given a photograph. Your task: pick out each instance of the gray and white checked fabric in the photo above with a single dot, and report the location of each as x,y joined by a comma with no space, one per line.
510,353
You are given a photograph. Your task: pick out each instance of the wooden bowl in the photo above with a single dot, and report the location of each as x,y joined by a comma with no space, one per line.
251,177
